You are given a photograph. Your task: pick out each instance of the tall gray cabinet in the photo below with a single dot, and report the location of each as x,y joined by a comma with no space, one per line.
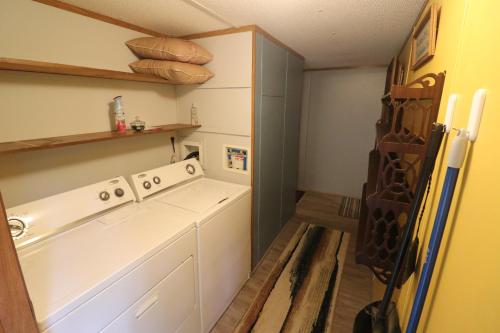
278,94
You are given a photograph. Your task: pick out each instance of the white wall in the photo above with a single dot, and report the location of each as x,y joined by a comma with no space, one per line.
223,103
339,111
42,105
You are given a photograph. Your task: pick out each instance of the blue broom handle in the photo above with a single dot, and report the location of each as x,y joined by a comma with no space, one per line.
455,161
433,250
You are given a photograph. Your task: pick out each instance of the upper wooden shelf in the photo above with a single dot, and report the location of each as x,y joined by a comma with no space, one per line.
71,140
54,68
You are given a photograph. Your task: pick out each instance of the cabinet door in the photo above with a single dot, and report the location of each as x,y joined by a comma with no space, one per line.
271,158
273,69
294,79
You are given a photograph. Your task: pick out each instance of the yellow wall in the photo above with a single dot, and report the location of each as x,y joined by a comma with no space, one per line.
465,288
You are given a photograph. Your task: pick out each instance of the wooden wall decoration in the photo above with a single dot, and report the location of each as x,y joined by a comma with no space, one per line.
424,38
395,74
394,166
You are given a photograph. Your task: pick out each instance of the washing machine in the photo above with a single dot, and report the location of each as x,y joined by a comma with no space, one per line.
95,261
223,217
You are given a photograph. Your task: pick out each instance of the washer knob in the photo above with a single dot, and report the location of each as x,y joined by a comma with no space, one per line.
104,196
156,180
190,169
119,192
146,184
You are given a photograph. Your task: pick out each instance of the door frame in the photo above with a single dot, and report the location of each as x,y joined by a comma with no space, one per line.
16,309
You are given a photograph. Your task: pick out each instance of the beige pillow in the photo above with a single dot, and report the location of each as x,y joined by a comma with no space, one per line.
173,49
173,71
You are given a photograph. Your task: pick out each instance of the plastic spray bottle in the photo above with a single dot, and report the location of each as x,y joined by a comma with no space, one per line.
120,124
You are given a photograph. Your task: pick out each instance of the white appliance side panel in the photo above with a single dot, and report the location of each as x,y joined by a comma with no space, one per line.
165,308
99,311
224,257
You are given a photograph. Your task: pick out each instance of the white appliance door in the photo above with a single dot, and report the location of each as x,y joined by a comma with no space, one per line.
169,307
200,195
224,259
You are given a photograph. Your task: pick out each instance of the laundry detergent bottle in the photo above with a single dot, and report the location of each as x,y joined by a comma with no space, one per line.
120,124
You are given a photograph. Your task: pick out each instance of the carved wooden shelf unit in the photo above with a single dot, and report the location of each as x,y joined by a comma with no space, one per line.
408,112
54,68
71,140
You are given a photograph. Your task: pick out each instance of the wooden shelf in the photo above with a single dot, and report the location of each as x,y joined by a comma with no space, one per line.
54,68
71,140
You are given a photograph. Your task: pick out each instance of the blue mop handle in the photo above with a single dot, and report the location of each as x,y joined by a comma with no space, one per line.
455,161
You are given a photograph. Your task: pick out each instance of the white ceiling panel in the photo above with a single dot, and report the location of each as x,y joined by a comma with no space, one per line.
328,33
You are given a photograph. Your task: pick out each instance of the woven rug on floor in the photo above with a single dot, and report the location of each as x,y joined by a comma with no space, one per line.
349,207
300,293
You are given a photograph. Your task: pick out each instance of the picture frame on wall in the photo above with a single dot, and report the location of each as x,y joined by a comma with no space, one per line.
424,38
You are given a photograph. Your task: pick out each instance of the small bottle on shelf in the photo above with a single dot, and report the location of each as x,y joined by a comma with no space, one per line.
120,124
194,115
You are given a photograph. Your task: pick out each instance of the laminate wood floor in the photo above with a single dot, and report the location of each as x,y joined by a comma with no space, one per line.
356,284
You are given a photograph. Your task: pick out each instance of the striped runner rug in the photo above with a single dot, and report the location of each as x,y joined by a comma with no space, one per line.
300,293
349,207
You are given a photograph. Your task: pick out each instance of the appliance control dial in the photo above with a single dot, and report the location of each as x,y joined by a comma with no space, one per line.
104,195
17,227
119,192
190,169
156,180
146,184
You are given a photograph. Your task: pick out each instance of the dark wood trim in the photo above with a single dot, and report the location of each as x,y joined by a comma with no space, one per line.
344,67
71,140
429,16
221,32
108,19
16,311
55,68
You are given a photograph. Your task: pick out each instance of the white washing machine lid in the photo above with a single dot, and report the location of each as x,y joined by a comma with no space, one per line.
200,195
66,270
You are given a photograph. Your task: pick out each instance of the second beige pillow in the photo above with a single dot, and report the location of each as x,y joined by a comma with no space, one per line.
173,49
173,71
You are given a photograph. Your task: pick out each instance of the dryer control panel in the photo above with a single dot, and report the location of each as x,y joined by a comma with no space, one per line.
156,180
37,220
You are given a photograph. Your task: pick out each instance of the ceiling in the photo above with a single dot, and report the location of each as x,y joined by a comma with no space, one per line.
328,33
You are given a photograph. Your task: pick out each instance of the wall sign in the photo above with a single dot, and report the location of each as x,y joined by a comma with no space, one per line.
236,159
424,38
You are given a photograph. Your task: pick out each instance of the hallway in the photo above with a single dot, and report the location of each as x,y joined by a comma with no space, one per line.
355,290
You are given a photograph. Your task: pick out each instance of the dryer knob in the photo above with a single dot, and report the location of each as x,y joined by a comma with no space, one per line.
17,227
156,180
146,184
104,196
119,192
